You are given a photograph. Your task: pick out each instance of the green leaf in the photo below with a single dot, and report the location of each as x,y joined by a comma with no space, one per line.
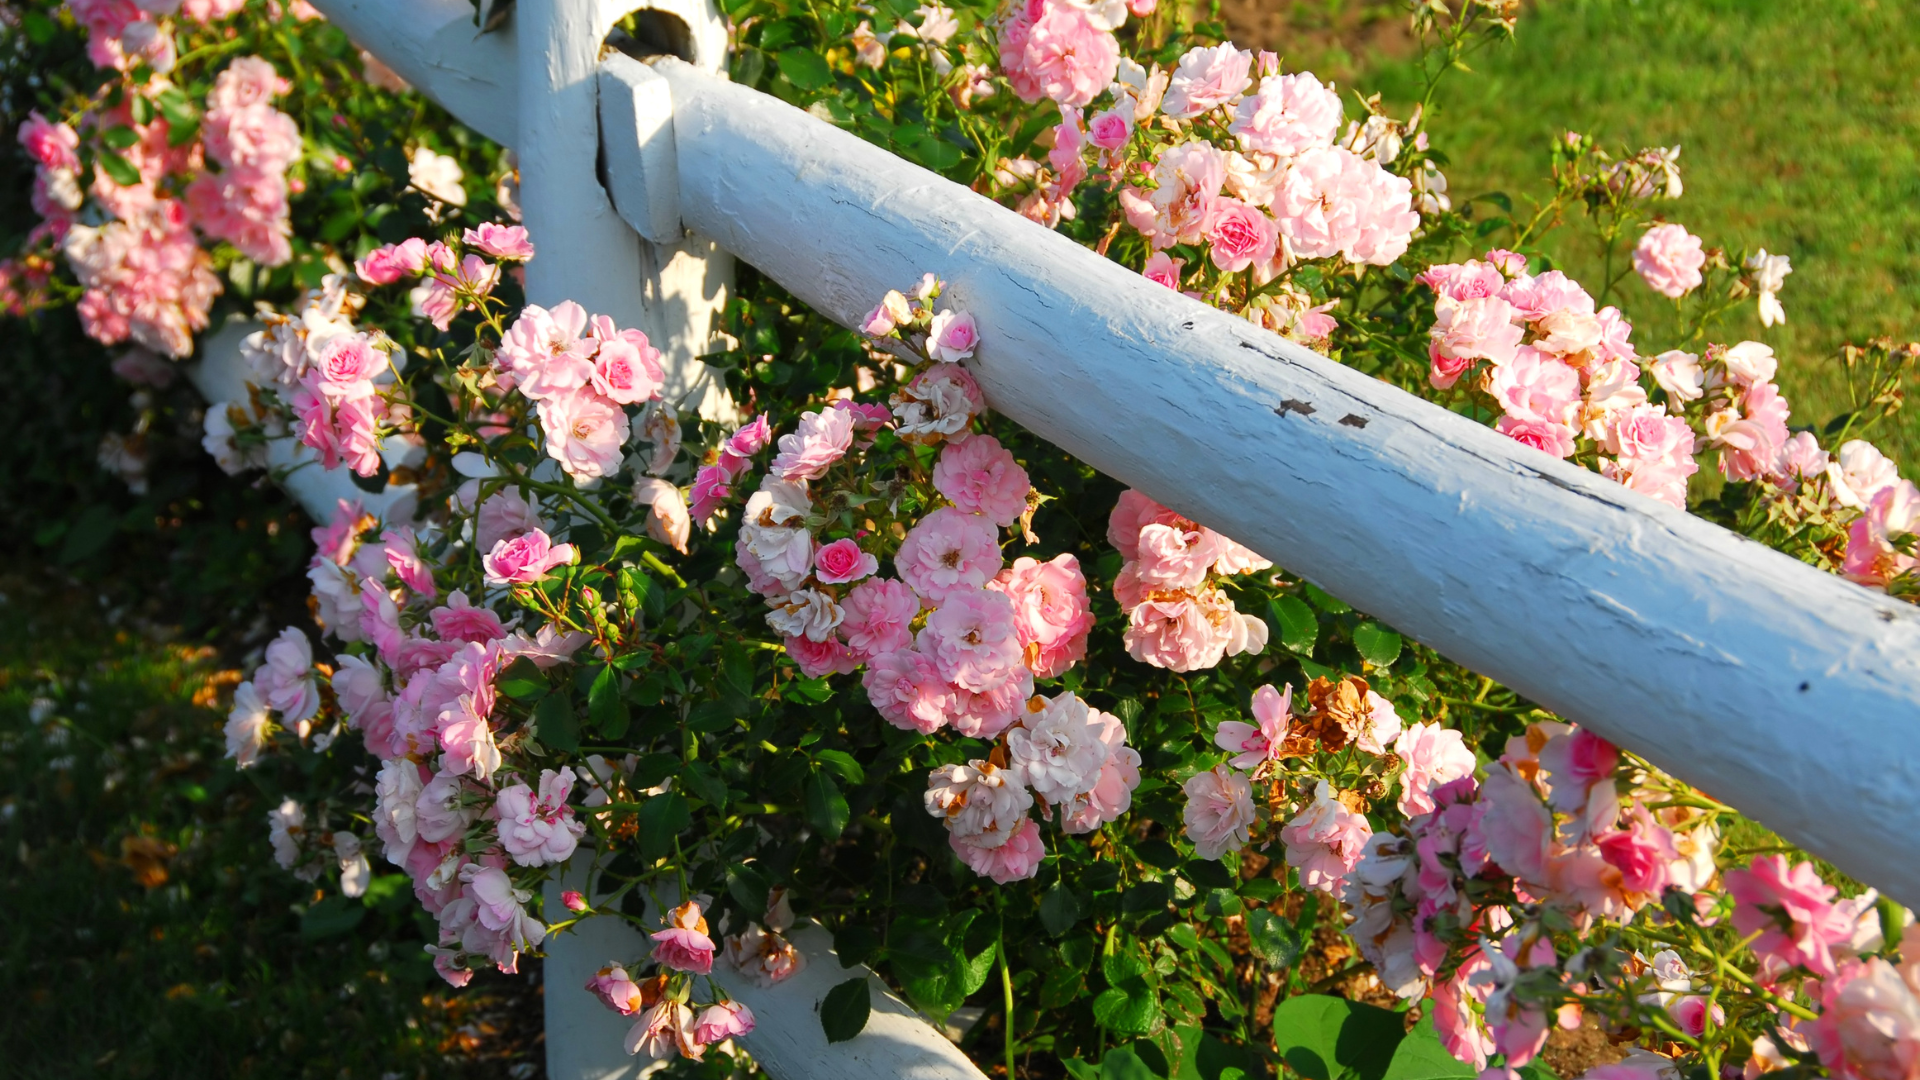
1062,987
117,167
120,137
661,819
826,806
702,780
855,943
1276,941
748,888
1298,626
39,28
523,679
932,971
711,716
844,1011
652,769
1420,1056
1260,889
556,723
1325,602
842,763
1379,645
605,707
804,68
1130,1010
1330,1038
1059,910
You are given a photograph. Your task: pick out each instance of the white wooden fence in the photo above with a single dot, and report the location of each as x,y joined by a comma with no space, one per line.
1782,690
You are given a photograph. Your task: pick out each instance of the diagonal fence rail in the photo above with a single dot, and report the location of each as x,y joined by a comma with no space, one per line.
1777,688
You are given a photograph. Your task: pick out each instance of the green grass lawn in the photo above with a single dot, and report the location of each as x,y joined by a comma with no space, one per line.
217,964
1800,123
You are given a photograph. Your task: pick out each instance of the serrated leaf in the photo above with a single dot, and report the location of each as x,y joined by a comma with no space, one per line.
804,68
660,819
1330,1038
1276,941
554,719
606,709
844,1011
1298,626
1379,645
826,805
1059,910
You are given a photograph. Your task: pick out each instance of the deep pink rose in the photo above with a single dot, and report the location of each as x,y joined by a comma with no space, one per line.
1240,235
843,561
500,241
1051,616
682,949
525,559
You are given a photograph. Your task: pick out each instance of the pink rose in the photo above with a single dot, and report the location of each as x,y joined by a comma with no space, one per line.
683,949
1110,130
878,616
981,477
984,715
615,988
710,489
1668,258
53,146
1174,633
525,559
1051,615
1133,512
908,692
539,830
1869,1025
752,438
1251,744
948,551
1470,280
1793,911
952,337
403,554
500,241
1163,269
1219,811
1174,557
1016,860
1545,435
1240,235
1206,79
585,432
1872,557
1641,853
819,440
627,372
817,659
461,621
540,338
971,640
1291,113
1469,330
1325,841
843,561
346,366
1516,826
1435,756
721,1022
1054,50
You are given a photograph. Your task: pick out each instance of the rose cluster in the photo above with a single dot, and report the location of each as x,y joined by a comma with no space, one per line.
1178,617
245,204
666,1023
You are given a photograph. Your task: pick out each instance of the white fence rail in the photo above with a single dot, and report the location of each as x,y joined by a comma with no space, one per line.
1782,690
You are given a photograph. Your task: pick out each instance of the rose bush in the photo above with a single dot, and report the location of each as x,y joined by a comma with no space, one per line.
870,655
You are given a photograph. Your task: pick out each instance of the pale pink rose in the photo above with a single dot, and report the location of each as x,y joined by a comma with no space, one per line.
627,371
1470,280
683,949
722,1021
540,338
1110,130
502,516
1057,52
763,956
1176,557
808,613
1511,263
1112,794
615,988
459,620
877,616
1516,826
1174,633
500,241
1163,269
539,830
667,518
843,561
820,439
1482,328
1239,235
1133,512
1791,909
948,551
952,337
1189,176
1859,473
585,432
1262,740
1802,459
285,678
980,477
664,1031
1614,334
1332,201
402,551
1539,297
246,726
1061,748
1537,386
256,136
908,692
1641,853
1219,811
752,438
1434,756
1325,842
987,713
1645,435
468,748
983,804
971,639
1051,615
1869,1026
1291,113
345,367
525,559
1750,363
1017,859
1544,435
1206,79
